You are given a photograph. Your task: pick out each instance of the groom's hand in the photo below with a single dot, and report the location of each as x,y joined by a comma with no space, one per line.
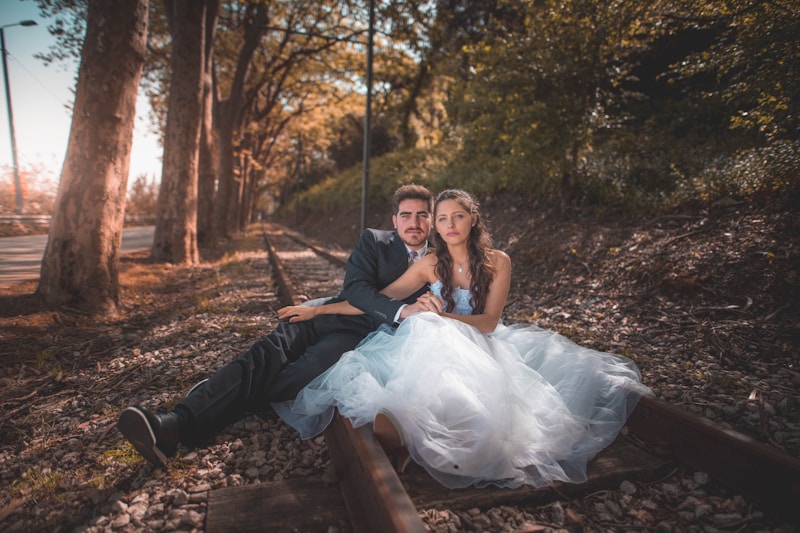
297,313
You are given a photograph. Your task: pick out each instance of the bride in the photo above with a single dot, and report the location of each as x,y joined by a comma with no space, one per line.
472,401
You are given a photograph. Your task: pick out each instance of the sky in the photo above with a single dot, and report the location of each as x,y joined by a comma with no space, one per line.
41,96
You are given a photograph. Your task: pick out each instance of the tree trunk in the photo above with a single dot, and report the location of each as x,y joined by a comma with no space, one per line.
228,124
80,264
175,238
237,198
569,181
209,164
249,200
225,178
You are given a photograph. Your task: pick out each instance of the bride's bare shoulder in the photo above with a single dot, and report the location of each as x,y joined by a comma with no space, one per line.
499,259
498,255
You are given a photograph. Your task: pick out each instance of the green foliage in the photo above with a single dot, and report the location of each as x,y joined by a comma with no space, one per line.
634,103
427,167
755,62
536,90
771,168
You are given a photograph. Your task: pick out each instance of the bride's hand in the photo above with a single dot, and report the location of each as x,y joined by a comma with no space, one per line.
431,302
297,313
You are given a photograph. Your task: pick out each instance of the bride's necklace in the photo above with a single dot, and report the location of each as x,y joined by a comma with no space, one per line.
460,266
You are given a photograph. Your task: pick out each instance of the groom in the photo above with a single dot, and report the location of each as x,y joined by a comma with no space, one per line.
280,364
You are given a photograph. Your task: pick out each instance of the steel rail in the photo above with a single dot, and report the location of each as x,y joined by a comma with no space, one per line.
320,251
738,462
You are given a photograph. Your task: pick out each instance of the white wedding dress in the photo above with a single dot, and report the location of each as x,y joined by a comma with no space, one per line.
521,405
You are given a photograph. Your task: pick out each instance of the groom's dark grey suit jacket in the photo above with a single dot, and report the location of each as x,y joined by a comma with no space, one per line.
379,258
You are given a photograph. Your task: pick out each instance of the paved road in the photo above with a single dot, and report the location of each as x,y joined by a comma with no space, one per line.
21,257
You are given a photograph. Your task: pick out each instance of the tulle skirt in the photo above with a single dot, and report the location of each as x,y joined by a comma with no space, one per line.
519,406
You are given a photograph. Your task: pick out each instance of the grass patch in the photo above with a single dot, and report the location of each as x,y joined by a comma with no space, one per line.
44,360
235,266
725,383
37,484
252,242
127,456
203,305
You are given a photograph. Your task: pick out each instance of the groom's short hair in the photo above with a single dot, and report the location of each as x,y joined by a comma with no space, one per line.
412,191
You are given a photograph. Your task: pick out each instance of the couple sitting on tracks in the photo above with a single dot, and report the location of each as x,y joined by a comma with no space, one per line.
416,347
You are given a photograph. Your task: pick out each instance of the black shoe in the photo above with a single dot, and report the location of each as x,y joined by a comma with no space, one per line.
155,436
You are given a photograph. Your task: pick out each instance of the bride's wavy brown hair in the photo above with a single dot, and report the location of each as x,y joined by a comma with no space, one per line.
478,246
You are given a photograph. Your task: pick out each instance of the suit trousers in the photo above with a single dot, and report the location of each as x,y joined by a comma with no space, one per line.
274,369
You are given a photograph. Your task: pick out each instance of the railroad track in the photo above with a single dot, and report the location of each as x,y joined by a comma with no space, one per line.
657,437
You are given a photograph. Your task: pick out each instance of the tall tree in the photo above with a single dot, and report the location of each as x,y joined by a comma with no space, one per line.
175,237
283,43
80,264
229,114
209,163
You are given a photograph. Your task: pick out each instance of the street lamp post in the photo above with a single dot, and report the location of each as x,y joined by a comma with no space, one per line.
17,181
367,117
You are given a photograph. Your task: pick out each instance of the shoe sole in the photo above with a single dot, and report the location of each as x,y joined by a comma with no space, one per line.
135,427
